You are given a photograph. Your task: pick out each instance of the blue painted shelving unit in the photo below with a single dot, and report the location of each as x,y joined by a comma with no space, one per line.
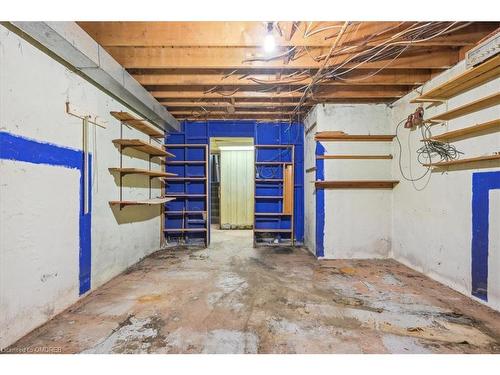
273,205
285,138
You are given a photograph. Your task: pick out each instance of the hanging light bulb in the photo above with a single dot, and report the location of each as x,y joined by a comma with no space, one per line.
269,42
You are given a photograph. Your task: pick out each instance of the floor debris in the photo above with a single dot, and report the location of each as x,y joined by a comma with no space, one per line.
232,298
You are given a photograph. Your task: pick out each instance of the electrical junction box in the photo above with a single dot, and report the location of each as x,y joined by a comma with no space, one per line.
484,51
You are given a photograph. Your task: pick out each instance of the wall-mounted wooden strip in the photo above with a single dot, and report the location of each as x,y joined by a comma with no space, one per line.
152,201
139,124
142,146
343,137
476,105
469,131
467,80
464,161
142,172
356,184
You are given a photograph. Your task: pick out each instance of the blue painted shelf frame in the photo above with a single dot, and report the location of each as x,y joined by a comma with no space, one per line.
186,218
273,205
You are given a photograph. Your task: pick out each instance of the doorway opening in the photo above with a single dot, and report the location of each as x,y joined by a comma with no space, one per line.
232,182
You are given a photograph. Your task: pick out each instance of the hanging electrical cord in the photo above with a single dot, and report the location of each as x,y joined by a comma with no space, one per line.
431,152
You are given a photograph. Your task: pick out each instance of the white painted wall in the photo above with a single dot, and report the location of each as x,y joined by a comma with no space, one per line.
432,227
357,221
39,204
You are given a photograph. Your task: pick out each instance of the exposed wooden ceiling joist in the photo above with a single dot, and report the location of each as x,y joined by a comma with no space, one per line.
339,92
243,58
212,68
389,77
251,34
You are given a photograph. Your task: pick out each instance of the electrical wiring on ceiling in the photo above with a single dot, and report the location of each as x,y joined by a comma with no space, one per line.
387,48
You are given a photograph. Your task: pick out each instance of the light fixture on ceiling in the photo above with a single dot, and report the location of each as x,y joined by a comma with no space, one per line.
269,42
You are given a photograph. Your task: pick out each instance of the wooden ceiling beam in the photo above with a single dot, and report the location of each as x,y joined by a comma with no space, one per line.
339,93
238,58
392,77
182,113
226,116
189,104
251,34
272,89
219,34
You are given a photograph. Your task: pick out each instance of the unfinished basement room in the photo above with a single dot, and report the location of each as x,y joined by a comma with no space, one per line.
250,187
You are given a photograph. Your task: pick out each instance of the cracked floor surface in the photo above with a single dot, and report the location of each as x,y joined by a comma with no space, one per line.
232,298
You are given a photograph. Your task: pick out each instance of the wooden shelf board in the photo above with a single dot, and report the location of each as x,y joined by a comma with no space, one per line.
356,184
343,137
465,109
352,157
142,146
144,172
272,230
139,124
490,125
469,79
464,161
185,230
152,201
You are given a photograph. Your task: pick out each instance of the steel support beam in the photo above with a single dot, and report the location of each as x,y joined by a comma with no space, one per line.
73,47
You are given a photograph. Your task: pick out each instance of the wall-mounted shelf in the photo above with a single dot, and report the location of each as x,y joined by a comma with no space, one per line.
149,202
465,109
343,137
142,146
355,157
139,124
469,131
469,79
356,184
148,148
144,172
463,161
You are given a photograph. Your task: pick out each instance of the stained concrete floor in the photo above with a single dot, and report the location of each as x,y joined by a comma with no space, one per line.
232,298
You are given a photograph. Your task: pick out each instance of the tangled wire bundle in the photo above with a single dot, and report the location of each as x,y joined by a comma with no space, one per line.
431,151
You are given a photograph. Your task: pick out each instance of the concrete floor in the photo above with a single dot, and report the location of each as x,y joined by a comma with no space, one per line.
232,298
